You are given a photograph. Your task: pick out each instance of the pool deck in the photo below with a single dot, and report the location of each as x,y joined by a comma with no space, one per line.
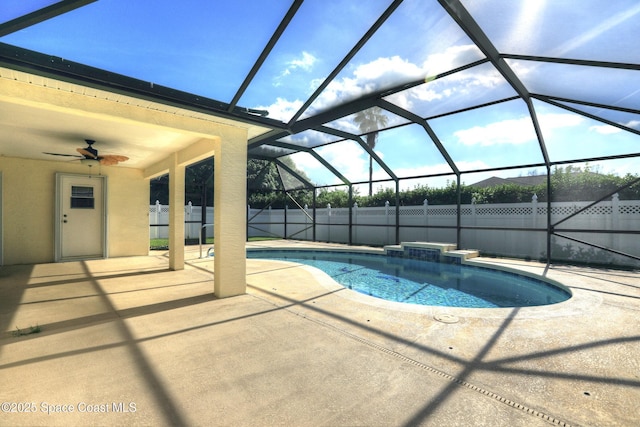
139,344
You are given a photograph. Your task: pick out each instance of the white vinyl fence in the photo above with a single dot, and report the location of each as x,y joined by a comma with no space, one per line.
437,223
159,221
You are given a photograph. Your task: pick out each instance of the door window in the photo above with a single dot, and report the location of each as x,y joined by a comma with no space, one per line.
82,197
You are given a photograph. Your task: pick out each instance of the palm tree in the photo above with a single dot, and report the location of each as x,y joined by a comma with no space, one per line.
370,121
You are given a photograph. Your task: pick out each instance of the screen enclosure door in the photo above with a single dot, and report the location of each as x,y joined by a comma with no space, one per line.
80,217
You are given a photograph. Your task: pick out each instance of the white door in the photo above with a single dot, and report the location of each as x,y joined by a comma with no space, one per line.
80,231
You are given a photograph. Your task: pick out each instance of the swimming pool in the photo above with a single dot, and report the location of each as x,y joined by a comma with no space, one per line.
424,282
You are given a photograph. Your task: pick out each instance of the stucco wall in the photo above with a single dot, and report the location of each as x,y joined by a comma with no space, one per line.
28,204
128,212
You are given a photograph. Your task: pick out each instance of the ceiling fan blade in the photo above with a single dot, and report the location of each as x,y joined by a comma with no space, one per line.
112,159
116,157
108,162
86,154
60,154
91,153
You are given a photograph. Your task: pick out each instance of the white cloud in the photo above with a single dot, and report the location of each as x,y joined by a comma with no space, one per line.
633,124
346,124
305,162
605,129
353,163
305,62
309,139
427,93
282,109
348,159
451,58
453,85
609,130
559,120
515,131
385,72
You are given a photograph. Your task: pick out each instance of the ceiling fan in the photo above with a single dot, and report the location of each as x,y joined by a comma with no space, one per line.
90,155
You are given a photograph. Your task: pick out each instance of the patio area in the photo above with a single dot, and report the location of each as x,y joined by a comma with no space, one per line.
127,341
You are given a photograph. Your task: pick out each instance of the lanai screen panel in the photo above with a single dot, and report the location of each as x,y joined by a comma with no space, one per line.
496,136
319,174
12,9
310,139
606,86
319,36
464,89
409,151
290,181
569,135
269,151
419,59
366,121
418,41
625,119
188,46
351,160
590,29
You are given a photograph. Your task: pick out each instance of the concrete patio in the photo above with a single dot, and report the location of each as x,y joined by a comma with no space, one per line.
126,341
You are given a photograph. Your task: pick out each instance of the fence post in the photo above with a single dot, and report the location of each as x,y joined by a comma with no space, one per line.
386,214
534,211
306,222
286,219
474,222
534,224
355,222
425,210
615,220
156,228
329,222
189,211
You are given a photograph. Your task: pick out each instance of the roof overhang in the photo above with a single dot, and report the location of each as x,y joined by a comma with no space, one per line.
45,110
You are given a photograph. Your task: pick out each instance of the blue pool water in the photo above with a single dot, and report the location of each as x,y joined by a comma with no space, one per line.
423,282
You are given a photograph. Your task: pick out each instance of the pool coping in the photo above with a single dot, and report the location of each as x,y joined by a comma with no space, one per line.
578,303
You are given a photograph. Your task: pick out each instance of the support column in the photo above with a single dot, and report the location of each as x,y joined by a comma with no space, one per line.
230,229
176,214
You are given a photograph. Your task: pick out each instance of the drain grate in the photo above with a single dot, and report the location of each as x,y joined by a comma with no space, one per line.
427,368
442,374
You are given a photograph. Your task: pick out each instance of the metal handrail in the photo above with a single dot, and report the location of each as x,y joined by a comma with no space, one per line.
200,237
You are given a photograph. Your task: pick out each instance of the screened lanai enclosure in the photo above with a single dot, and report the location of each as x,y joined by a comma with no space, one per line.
512,127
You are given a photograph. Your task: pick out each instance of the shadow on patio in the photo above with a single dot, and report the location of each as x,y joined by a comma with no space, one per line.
129,333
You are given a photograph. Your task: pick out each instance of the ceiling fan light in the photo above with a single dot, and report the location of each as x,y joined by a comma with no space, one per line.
90,162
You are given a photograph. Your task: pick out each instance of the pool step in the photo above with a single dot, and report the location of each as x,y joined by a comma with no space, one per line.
430,251
463,253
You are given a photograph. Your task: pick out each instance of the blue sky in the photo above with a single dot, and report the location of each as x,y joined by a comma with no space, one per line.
207,48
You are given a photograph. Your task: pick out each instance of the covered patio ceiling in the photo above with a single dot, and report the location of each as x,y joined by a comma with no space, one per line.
444,87
34,131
